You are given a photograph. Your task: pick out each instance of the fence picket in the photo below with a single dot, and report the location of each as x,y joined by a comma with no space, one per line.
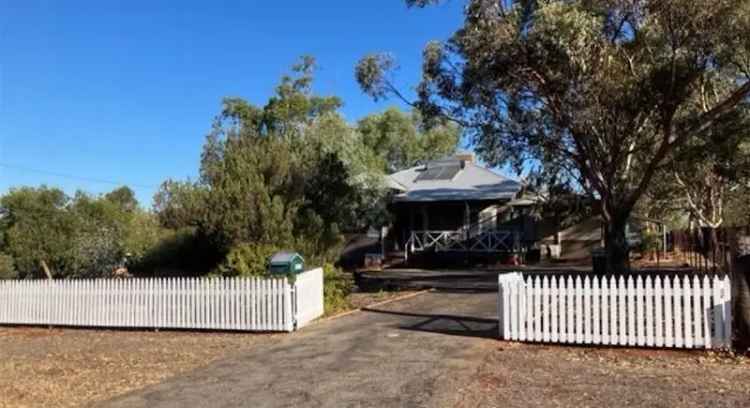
649,293
697,309
275,303
717,311
640,320
669,339
622,308
554,301
579,309
571,305
586,298
679,332
606,310
631,311
192,302
265,293
93,296
503,304
562,310
271,305
614,302
233,304
522,310
183,305
706,312
279,303
241,306
99,302
546,309
687,293
596,306
264,304
513,306
537,309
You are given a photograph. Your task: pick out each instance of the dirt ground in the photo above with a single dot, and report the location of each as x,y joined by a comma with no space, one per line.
68,367
520,375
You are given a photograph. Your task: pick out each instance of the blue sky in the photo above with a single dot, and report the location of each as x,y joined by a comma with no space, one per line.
125,91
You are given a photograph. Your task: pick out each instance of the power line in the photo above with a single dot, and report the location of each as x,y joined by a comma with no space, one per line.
74,177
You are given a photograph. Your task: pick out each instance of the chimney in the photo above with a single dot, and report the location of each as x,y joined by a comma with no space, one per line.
467,157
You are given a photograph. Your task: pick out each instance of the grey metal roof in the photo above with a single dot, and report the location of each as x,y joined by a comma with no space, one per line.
472,182
284,256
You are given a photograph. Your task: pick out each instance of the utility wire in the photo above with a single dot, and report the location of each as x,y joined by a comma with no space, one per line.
74,177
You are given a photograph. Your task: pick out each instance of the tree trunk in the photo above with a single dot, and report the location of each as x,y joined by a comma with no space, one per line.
616,245
46,269
709,241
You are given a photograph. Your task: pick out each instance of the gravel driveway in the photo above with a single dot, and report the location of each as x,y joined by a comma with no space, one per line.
439,349
413,352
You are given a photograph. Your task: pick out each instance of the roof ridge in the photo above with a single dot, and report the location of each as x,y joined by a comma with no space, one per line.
493,173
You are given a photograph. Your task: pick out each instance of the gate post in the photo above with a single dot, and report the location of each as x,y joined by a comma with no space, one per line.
501,309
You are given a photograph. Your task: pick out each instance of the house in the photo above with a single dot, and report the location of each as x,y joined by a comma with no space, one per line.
455,209
455,205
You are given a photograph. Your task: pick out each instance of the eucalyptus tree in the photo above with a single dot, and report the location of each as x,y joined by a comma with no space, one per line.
707,169
401,140
601,90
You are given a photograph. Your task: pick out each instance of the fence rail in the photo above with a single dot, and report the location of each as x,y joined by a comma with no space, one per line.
462,240
249,304
654,312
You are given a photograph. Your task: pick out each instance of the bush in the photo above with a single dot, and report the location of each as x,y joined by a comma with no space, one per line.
7,267
95,252
181,252
142,234
246,260
336,289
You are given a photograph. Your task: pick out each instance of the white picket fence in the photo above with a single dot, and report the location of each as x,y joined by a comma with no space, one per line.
652,311
308,297
248,304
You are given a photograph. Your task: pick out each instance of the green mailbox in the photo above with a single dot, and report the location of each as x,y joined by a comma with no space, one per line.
286,262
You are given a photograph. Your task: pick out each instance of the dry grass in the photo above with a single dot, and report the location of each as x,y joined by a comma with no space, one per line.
68,367
521,375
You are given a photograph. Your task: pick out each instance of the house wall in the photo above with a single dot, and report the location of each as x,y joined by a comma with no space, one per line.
579,239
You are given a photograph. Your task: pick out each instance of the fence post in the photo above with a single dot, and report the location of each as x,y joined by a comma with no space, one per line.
288,313
501,309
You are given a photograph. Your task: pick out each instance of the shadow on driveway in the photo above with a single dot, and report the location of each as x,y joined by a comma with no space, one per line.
453,325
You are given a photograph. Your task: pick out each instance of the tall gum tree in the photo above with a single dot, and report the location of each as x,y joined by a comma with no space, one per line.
600,90
708,168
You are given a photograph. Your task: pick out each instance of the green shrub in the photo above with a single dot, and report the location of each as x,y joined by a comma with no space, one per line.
178,252
7,267
246,260
336,289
